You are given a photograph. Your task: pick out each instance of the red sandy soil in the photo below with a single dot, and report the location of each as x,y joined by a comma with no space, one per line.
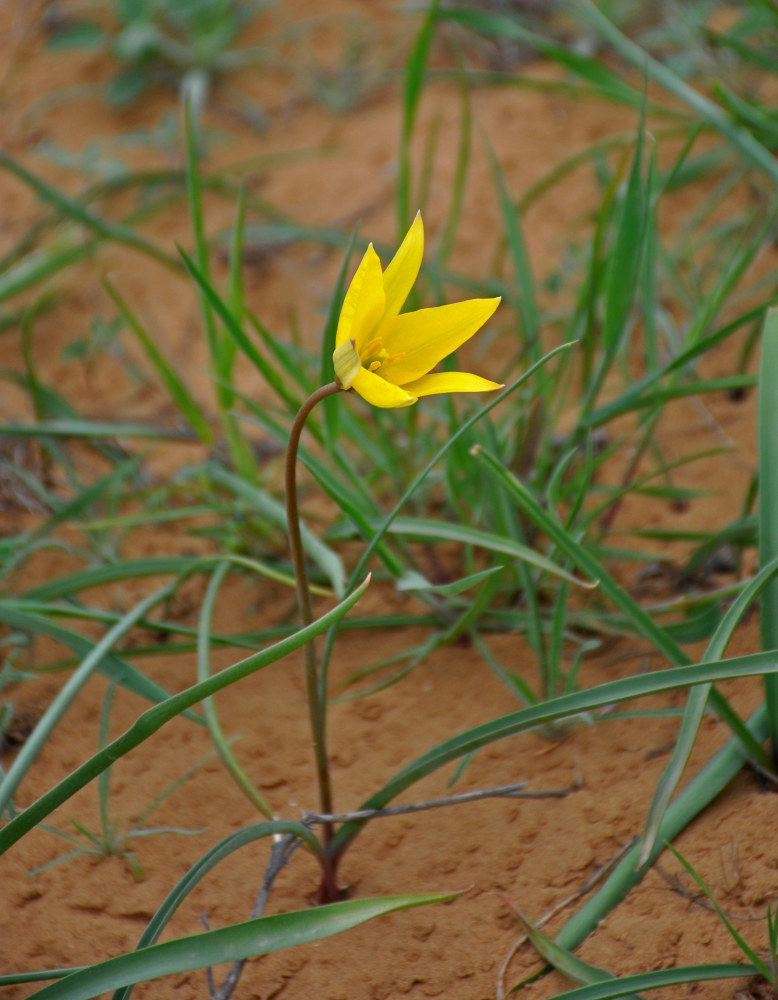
536,854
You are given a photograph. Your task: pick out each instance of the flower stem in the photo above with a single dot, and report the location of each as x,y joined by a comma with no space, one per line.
315,708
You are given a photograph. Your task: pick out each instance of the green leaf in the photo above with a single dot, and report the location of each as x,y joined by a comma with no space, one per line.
564,961
429,529
695,706
558,708
183,399
156,717
411,580
626,985
228,944
768,509
77,34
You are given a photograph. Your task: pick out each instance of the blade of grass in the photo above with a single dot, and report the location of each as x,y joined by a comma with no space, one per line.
181,396
695,706
228,944
413,83
742,140
768,507
574,704
242,780
626,985
231,843
63,699
75,210
154,718
640,619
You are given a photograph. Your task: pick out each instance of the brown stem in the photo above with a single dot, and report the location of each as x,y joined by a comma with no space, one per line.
306,611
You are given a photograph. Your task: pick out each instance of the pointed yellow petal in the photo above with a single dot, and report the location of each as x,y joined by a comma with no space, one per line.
425,337
365,302
378,391
403,270
428,385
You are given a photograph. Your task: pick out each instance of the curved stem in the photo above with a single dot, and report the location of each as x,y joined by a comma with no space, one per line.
315,708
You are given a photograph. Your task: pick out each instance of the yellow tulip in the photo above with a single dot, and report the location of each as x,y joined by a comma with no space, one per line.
387,356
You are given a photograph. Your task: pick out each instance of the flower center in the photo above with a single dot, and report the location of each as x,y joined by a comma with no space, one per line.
374,356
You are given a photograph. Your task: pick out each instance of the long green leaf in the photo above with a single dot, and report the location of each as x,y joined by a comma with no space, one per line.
695,706
228,944
156,717
63,699
445,531
753,151
656,980
222,745
111,665
623,689
228,845
640,619
75,210
180,394
768,506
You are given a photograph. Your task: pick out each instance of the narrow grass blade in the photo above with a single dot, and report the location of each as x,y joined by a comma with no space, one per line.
459,181
63,698
181,396
768,506
91,429
228,944
608,83
328,561
738,938
415,581
695,707
111,665
196,217
235,330
557,708
626,985
622,270
76,211
527,305
412,89
639,618
445,531
40,264
231,843
156,717
564,961
228,758
740,138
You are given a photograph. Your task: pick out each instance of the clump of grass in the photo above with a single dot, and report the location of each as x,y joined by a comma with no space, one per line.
526,469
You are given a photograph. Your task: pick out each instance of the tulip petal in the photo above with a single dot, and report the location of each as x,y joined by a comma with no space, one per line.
403,270
378,392
425,337
364,303
428,385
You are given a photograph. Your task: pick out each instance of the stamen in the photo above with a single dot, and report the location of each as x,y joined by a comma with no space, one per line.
373,366
372,348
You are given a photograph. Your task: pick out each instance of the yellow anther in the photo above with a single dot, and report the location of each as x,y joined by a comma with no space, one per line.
374,347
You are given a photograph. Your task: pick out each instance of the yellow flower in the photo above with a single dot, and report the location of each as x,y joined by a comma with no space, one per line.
387,357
